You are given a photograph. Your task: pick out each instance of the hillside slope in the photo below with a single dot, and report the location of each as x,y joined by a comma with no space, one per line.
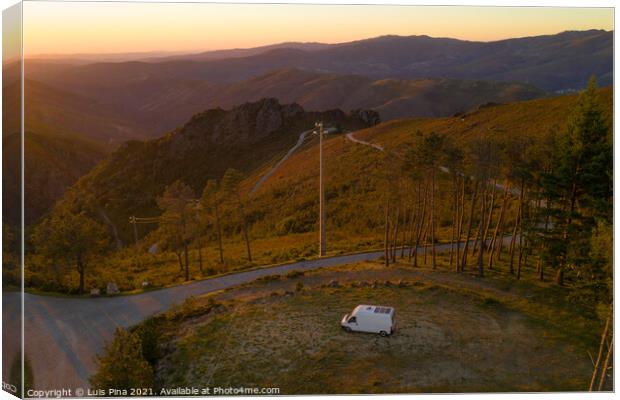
288,200
246,138
282,213
53,164
59,112
158,105
392,98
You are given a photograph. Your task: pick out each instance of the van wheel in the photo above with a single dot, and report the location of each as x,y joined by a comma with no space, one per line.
347,329
383,333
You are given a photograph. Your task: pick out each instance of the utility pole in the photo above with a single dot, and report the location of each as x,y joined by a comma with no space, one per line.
322,246
132,220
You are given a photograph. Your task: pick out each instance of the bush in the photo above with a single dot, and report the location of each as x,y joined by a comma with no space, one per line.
294,274
122,364
149,333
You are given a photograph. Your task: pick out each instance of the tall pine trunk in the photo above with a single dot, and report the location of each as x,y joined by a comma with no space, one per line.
513,239
411,232
481,234
559,276
521,241
469,226
455,217
386,254
406,224
218,228
416,220
395,235
180,258
434,254
490,215
460,226
539,265
599,357
200,257
80,269
421,224
610,350
244,225
500,221
186,260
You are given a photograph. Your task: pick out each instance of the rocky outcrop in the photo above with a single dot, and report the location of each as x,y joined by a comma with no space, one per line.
368,117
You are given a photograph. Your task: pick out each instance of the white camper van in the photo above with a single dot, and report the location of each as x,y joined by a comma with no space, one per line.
372,319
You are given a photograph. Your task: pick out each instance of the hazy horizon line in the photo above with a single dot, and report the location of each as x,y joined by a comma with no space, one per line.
167,53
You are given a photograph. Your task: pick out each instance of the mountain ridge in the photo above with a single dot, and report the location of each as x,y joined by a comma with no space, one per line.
533,59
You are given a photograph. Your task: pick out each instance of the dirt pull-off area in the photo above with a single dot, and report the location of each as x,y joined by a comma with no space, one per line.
456,333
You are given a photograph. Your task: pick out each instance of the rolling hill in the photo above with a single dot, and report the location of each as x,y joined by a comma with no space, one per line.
159,105
54,111
66,135
392,98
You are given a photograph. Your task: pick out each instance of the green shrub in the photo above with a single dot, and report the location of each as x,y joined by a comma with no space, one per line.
150,333
122,364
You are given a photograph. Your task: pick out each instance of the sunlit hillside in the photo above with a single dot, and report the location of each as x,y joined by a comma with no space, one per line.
282,212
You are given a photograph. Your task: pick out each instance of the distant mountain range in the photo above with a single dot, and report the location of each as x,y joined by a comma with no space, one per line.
235,53
398,76
552,62
77,104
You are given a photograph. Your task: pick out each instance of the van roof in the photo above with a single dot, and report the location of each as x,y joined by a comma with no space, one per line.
370,309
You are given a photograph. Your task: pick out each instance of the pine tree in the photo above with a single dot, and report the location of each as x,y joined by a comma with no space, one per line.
579,185
178,222
429,156
72,237
231,182
210,201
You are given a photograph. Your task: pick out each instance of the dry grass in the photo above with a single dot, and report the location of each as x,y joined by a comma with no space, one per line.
456,333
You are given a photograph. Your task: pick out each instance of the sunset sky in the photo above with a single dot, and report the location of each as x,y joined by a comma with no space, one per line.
67,28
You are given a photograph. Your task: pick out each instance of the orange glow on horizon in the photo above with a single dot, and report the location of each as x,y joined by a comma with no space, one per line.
71,28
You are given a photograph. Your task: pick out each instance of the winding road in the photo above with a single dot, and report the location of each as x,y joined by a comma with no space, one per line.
356,140
63,335
289,153
300,142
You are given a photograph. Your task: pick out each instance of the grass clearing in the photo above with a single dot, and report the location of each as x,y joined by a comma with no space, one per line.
456,333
